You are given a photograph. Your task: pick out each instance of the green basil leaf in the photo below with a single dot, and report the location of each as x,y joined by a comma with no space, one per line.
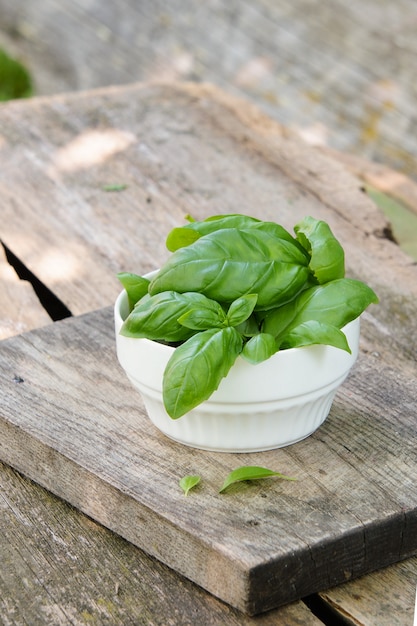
135,286
250,472
313,332
249,327
241,309
157,317
181,237
230,263
327,255
188,482
209,315
197,367
259,348
336,303
186,235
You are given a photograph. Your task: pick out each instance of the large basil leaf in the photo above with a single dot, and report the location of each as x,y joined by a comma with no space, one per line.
188,234
197,367
312,333
335,303
135,286
229,263
327,256
156,317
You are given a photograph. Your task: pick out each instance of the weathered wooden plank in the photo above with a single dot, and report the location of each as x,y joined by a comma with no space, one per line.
340,73
20,309
60,567
277,167
385,598
179,149
75,426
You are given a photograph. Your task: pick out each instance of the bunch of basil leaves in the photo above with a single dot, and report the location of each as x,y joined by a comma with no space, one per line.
235,285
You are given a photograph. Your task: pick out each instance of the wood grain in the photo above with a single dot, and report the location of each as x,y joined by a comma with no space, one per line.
60,567
82,433
195,150
339,73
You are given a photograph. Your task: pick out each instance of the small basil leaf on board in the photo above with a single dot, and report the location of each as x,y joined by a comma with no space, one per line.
259,348
135,286
241,309
250,472
156,317
230,263
188,482
327,255
209,314
312,333
197,367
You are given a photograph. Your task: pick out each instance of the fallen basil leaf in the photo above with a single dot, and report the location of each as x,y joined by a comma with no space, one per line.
250,472
188,482
117,187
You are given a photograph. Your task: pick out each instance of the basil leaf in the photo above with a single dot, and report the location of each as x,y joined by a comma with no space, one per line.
135,286
157,317
181,237
250,472
230,263
313,332
336,303
327,255
185,235
209,315
241,309
249,327
197,367
188,482
259,348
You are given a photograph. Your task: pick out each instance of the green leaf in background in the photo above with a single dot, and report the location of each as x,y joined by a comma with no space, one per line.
327,255
259,348
135,286
197,367
311,333
15,80
188,482
250,472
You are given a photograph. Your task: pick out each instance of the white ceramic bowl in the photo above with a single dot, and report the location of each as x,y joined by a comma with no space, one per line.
256,407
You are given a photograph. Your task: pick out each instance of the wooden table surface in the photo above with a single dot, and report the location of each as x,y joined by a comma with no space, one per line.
179,150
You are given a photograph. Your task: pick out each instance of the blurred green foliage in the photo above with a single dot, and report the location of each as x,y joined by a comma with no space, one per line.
15,80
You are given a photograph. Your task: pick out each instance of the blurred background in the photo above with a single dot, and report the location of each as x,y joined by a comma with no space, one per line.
342,75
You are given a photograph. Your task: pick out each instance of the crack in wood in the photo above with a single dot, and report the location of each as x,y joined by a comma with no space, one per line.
55,308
